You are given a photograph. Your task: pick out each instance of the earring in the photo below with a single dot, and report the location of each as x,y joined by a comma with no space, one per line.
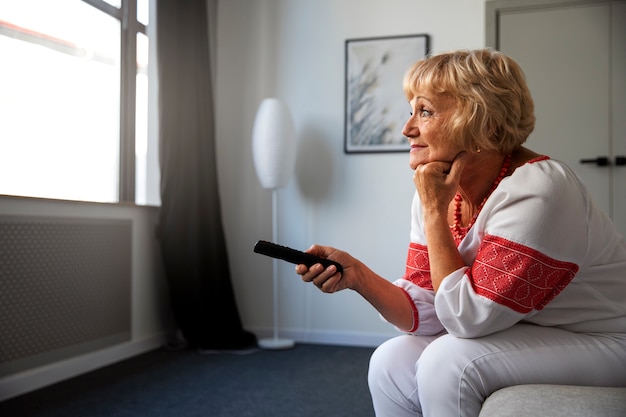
478,149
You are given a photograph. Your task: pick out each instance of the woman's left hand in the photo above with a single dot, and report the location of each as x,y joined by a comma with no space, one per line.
437,182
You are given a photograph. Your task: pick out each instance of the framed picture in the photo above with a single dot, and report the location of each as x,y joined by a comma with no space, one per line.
375,106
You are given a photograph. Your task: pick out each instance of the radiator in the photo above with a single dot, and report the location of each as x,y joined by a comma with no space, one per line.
65,288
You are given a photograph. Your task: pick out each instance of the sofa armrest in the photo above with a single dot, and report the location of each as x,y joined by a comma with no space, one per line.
555,401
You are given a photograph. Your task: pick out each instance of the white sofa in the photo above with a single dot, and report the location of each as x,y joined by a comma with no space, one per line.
555,401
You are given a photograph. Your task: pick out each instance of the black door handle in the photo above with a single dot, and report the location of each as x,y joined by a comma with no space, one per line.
600,161
620,160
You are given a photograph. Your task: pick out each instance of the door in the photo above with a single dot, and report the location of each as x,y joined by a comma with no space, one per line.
573,58
618,23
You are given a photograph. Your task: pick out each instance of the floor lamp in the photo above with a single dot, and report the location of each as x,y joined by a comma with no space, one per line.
274,153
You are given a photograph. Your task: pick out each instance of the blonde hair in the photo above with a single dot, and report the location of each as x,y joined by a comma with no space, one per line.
494,107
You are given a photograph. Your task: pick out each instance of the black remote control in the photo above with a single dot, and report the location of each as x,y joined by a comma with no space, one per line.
292,255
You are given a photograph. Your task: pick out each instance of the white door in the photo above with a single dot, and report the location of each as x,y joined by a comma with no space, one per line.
573,58
618,23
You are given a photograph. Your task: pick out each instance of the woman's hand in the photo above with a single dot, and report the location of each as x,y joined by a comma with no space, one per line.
328,280
437,182
388,299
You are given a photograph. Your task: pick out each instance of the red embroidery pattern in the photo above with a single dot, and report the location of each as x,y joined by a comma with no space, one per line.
418,267
517,276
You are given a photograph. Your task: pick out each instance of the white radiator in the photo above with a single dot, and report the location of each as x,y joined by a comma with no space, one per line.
65,288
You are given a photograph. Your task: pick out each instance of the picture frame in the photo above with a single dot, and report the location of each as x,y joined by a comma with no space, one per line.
375,106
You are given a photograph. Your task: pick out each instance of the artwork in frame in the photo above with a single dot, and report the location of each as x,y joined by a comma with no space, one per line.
375,106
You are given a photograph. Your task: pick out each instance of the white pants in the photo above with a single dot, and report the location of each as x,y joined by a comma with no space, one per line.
445,376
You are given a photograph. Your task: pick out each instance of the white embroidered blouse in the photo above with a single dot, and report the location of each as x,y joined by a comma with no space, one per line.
540,251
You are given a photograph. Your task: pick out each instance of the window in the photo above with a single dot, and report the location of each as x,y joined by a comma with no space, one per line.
74,86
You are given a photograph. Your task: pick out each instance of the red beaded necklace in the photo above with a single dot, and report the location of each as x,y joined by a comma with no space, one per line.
459,231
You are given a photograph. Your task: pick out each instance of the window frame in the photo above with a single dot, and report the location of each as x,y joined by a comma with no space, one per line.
130,27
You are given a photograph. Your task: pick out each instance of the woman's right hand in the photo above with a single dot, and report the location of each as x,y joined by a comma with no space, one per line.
329,280
388,299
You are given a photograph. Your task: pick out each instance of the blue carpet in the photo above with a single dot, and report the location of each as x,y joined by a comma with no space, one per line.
306,381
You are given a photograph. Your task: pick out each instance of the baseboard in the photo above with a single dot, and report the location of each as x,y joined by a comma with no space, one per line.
33,379
328,337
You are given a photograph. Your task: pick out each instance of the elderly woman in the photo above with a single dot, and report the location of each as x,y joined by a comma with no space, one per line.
513,275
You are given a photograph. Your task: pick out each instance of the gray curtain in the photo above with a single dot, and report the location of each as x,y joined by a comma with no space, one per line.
191,230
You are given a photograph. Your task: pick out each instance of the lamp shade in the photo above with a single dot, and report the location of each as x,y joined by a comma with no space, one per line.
273,144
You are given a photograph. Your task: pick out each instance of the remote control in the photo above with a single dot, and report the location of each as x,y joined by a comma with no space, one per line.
292,255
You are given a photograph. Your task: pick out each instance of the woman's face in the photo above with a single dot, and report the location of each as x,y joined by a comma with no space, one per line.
424,130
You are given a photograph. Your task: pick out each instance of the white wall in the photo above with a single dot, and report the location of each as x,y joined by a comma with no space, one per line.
294,49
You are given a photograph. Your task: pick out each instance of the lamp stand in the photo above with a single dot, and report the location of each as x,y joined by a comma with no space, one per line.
275,342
